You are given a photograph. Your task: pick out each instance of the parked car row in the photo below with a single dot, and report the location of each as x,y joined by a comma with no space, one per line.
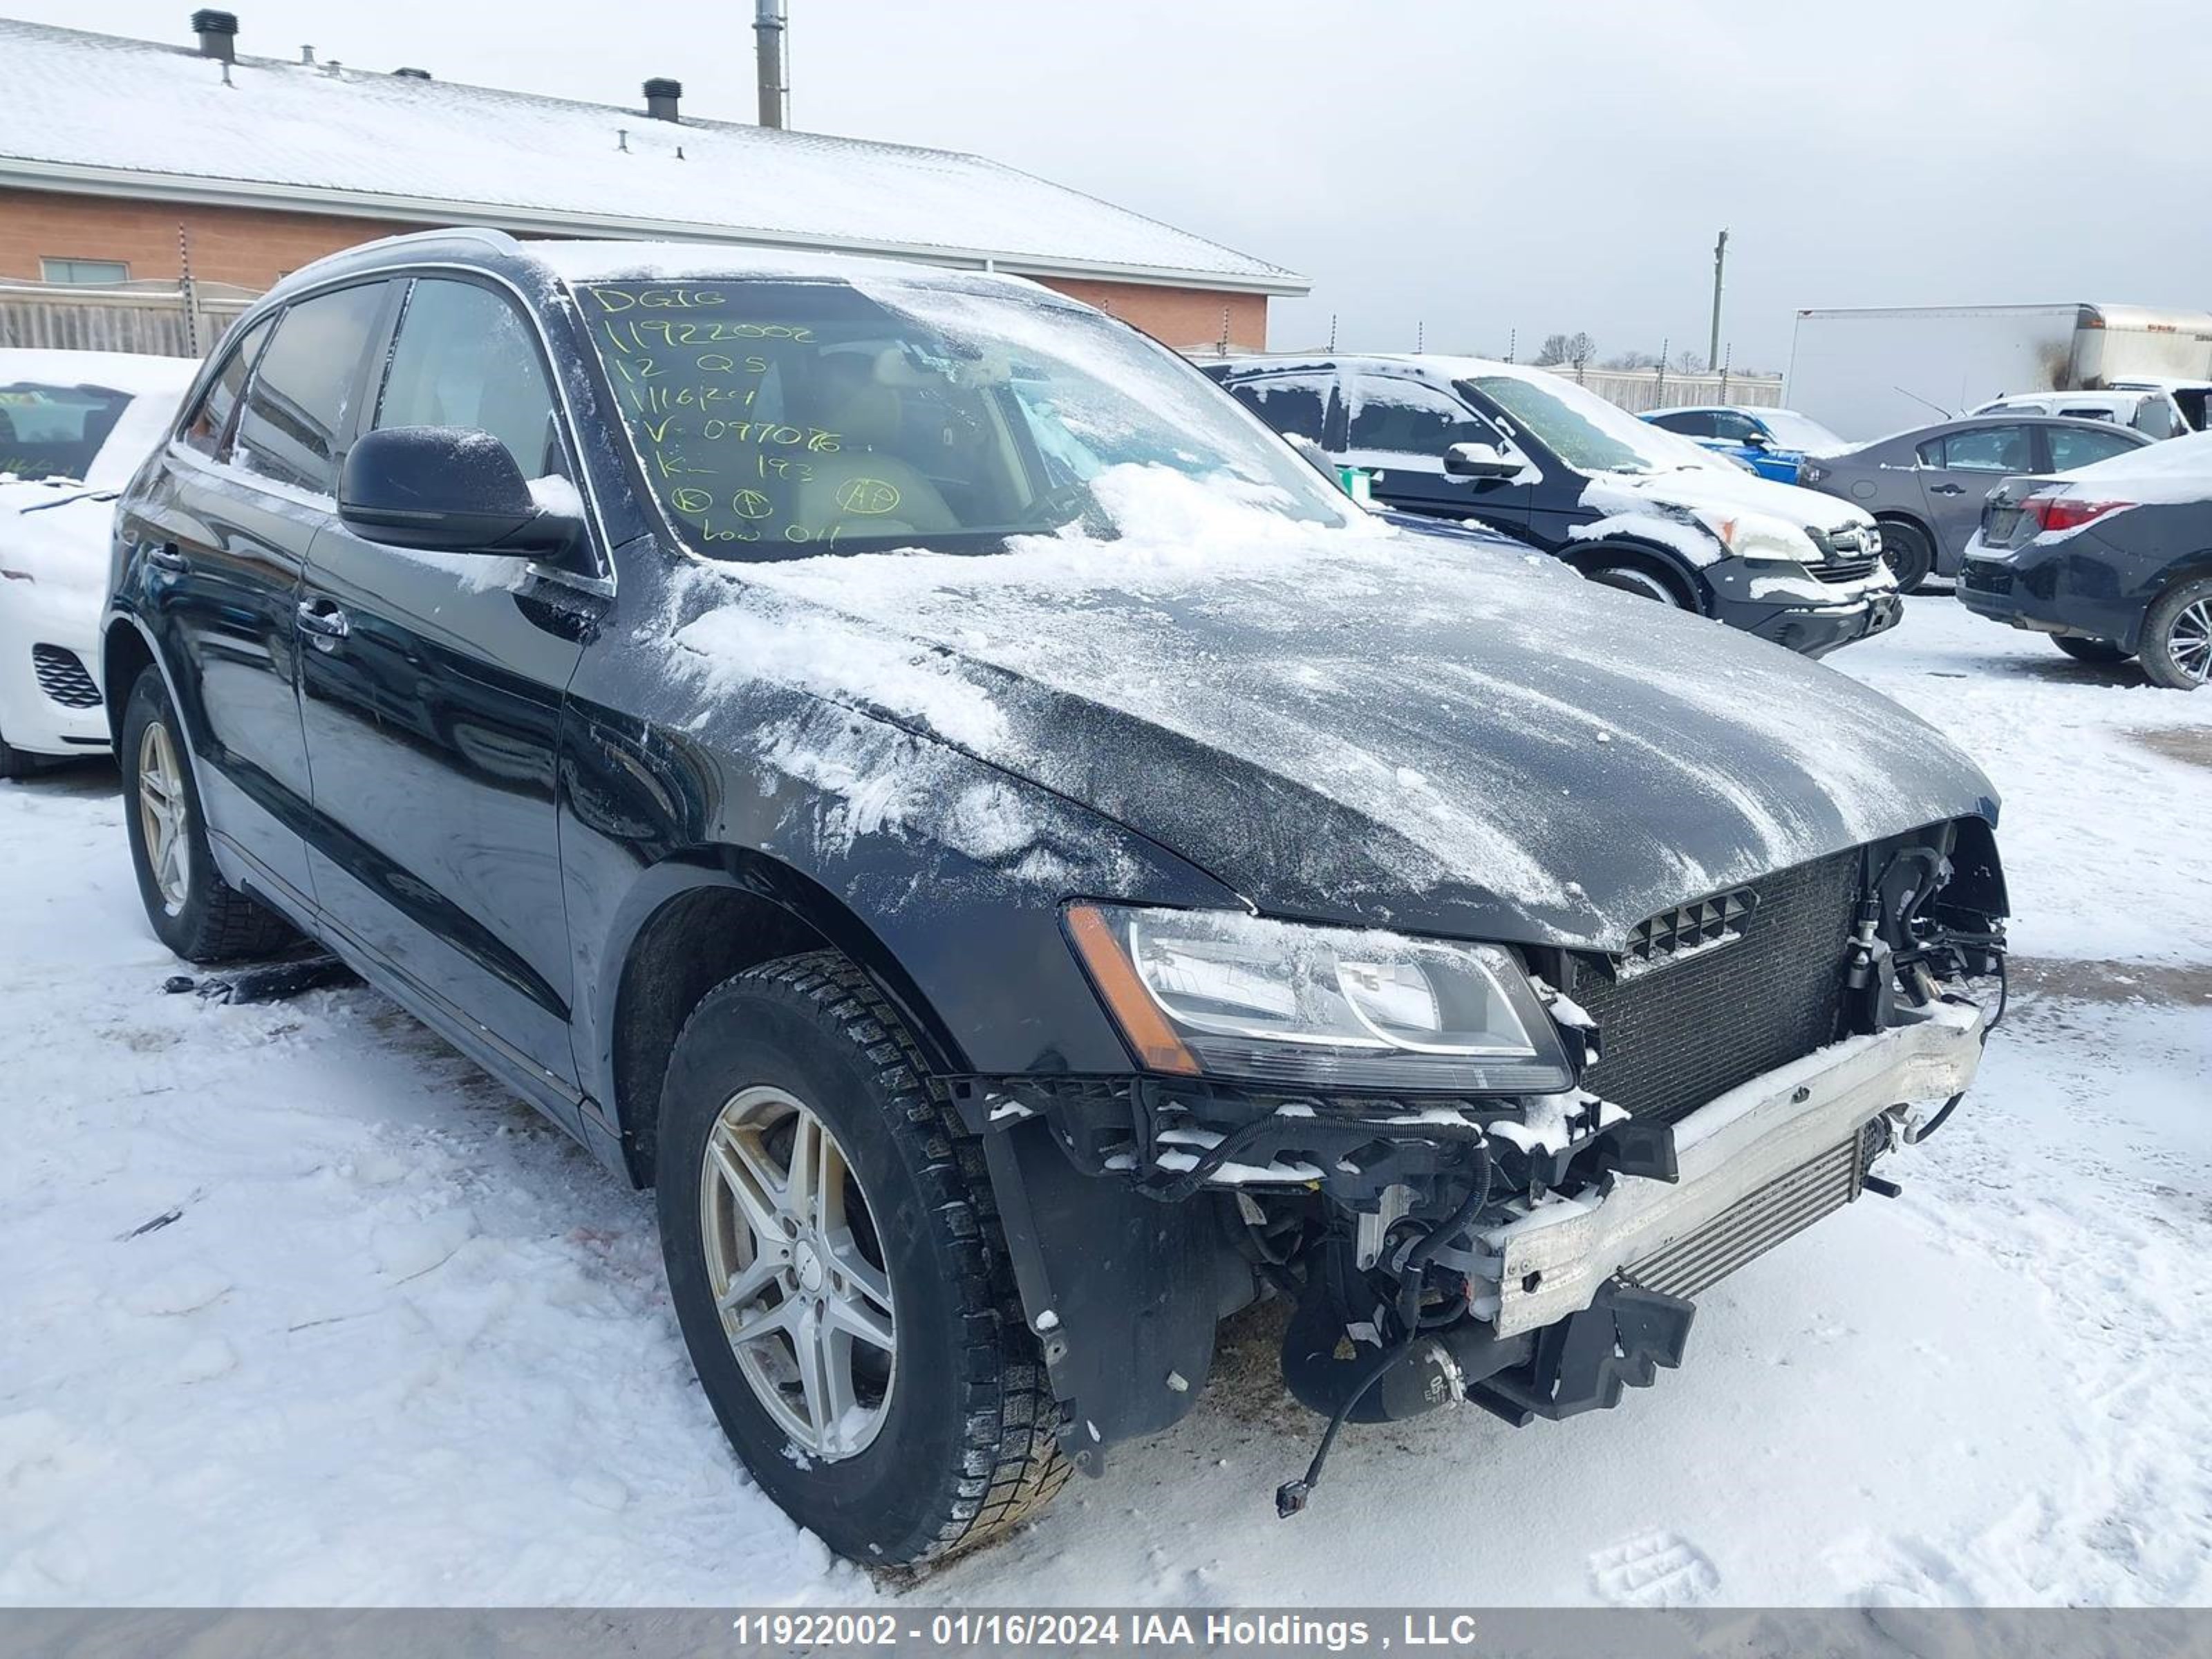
1021,862
1531,455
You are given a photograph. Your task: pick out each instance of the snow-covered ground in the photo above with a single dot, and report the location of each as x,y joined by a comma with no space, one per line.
402,1344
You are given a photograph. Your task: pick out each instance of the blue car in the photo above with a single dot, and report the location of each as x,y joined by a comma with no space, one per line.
1775,443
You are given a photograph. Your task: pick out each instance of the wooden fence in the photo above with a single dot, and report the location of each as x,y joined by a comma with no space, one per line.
163,319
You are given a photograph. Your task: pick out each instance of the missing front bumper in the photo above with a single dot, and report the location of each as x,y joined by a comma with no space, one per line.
1754,1168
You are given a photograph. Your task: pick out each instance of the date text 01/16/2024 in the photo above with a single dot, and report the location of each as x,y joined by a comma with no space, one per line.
1139,1630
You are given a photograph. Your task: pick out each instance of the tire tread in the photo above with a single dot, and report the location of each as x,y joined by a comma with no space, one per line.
1013,1465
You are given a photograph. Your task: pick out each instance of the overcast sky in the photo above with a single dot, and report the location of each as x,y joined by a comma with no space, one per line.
1474,168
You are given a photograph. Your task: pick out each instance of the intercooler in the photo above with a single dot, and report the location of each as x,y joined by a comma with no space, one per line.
1758,1222
1713,994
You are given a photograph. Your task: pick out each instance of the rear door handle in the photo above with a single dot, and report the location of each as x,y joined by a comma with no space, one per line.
165,558
1947,490
325,623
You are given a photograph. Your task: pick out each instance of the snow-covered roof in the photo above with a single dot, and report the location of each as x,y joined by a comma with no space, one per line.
116,371
374,145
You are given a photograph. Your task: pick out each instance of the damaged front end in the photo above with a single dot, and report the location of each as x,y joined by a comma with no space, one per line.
1579,1143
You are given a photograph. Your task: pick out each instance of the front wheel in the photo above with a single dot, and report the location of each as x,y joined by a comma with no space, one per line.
1910,555
2177,637
1632,575
193,910
836,1262
2082,648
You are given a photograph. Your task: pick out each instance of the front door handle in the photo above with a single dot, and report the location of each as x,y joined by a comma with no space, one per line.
1947,490
326,623
165,558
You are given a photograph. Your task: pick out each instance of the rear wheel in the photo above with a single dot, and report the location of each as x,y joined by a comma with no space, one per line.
2083,649
836,1262
1909,554
2177,637
193,910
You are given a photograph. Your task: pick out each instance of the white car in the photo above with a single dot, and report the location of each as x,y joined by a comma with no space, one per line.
2148,409
74,426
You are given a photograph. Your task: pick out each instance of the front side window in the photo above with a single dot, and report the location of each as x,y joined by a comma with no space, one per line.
1295,404
1404,417
53,431
781,419
1584,430
210,422
296,408
1690,422
2073,445
1988,449
465,357
1736,429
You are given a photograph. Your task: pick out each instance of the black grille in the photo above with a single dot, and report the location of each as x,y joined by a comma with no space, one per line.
1845,570
1676,1033
62,674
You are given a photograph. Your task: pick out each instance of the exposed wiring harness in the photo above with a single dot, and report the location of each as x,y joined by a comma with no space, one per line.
1292,1496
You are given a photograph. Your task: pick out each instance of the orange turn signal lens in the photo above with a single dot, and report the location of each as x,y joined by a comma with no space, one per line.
1144,1027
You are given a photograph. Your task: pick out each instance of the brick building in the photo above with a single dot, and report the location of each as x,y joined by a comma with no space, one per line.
130,161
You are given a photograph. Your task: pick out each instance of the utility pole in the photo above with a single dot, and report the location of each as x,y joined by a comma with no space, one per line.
1720,262
768,51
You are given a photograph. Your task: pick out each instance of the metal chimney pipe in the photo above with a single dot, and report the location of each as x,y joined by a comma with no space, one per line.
218,34
768,34
660,98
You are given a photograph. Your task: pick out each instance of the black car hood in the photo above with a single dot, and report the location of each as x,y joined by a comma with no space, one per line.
1439,734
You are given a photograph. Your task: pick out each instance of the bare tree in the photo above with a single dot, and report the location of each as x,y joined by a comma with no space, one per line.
1631,360
1690,362
1575,349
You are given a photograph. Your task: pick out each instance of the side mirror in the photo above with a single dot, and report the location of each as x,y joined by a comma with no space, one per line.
446,490
1480,461
1756,440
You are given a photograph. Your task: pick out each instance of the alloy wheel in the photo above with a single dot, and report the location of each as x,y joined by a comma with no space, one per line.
2190,641
797,1270
164,818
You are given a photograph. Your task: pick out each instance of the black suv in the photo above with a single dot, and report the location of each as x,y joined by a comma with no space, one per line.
1527,453
903,764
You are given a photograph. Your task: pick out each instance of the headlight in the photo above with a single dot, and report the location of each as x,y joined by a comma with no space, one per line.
1756,536
1232,995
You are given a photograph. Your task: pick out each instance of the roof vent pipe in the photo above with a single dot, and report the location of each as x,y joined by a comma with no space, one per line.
218,34
308,55
660,98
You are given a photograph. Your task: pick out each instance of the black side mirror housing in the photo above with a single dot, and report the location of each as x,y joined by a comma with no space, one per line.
1480,461
446,489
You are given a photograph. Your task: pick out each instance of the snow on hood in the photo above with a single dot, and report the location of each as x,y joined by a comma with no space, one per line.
1767,519
1362,723
58,535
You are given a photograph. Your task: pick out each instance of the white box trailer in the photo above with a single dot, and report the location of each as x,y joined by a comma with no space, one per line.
1866,373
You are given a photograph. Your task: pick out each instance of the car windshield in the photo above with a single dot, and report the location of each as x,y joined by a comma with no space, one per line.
1795,431
779,419
1586,432
54,431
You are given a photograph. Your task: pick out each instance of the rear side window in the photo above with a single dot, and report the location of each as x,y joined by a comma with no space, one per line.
295,409
1983,449
466,357
1289,403
2071,447
1403,417
210,416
